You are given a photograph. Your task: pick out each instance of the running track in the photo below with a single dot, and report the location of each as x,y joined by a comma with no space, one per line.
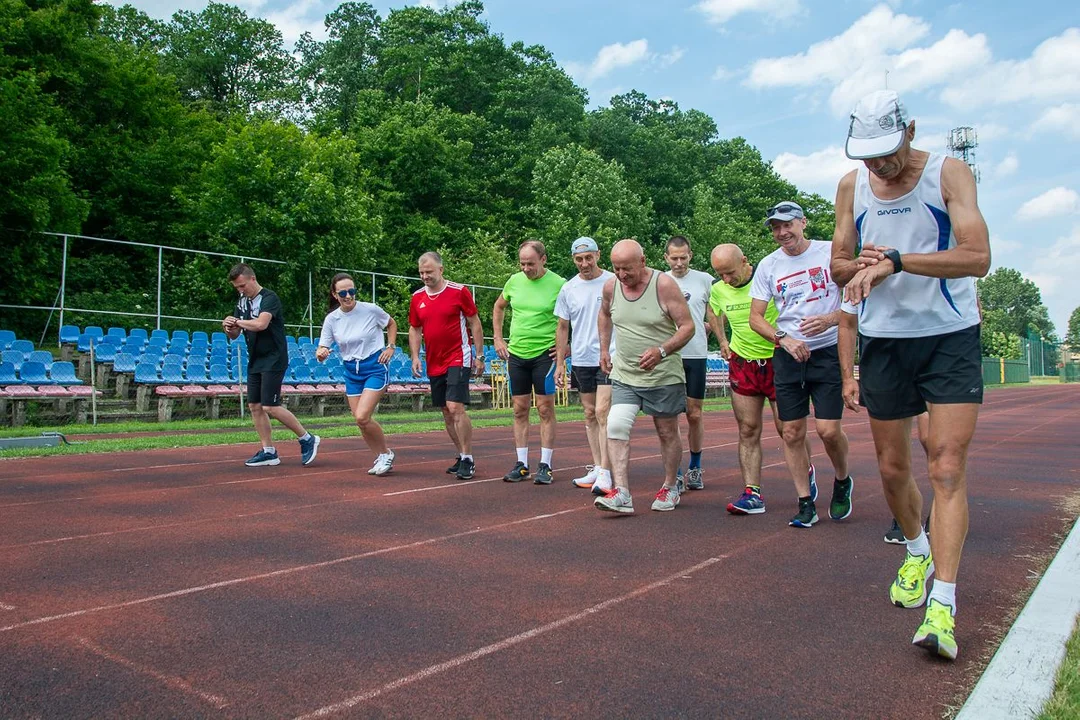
181,584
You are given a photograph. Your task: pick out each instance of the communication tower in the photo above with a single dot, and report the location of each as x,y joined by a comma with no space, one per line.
962,142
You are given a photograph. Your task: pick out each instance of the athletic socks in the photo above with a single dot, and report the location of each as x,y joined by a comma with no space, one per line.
545,455
271,449
523,456
307,436
695,460
944,593
920,545
466,457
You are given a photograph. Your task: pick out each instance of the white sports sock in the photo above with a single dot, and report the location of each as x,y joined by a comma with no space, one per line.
920,545
945,593
523,455
467,457
545,455
307,436
272,450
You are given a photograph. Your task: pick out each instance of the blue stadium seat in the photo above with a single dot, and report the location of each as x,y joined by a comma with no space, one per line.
117,332
290,341
320,374
153,351
124,362
106,352
181,335
304,340
195,374
219,336
69,335
63,373
85,340
24,346
138,334
301,373
200,335
8,375
172,374
177,360
158,341
159,333
94,331
219,374
112,340
6,338
13,358
147,372
42,356
33,373
337,374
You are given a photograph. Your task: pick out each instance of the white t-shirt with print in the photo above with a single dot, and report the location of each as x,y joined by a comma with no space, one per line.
358,333
802,287
696,287
579,303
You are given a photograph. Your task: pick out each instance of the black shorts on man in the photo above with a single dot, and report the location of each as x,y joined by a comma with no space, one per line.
453,386
695,369
817,379
532,374
264,388
898,376
587,378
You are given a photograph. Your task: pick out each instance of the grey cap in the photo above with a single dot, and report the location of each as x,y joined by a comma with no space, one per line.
583,244
877,126
784,211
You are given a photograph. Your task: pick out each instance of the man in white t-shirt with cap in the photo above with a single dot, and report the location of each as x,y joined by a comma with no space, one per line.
578,307
910,241
797,279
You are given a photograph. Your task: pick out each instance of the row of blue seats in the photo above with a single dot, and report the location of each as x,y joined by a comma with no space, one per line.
36,373
18,357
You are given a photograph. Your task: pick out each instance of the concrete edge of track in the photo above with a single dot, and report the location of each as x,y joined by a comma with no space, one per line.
1020,677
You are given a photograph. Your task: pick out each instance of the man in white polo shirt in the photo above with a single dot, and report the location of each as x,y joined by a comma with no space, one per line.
796,277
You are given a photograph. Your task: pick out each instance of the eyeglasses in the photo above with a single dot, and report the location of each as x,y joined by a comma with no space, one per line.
785,209
351,292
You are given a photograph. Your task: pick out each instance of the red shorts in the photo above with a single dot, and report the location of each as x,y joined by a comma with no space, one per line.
752,378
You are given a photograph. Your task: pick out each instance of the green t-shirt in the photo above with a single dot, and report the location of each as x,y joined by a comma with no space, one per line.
533,325
735,303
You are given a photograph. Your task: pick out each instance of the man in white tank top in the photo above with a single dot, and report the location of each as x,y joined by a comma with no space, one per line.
909,243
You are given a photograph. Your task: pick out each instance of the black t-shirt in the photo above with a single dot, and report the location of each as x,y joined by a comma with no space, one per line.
267,349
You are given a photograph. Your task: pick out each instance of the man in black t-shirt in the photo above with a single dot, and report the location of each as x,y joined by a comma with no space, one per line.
259,315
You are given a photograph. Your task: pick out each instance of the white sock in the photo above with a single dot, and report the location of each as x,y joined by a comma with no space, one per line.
307,436
523,455
545,455
272,450
944,593
467,457
920,545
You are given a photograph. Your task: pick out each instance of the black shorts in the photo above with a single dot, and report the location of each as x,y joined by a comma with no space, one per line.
264,388
453,386
585,379
797,383
695,369
532,374
898,376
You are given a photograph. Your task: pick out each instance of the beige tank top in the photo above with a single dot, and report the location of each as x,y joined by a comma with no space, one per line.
642,324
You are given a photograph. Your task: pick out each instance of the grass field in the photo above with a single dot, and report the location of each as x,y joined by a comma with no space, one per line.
1064,704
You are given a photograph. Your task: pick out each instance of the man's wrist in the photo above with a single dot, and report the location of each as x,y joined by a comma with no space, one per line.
893,256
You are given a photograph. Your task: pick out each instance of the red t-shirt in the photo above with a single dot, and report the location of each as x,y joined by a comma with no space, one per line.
441,318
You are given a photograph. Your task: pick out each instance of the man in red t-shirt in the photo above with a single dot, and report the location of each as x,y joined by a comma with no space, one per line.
444,315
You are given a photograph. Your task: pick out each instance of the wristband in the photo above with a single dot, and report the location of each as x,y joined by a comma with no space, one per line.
894,257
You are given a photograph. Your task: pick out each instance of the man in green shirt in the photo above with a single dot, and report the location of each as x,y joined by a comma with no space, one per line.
750,370
530,354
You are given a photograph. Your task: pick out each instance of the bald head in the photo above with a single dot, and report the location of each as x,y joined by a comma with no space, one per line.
626,251
628,263
730,265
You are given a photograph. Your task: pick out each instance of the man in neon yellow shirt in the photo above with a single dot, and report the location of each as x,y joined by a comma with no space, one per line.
530,354
750,369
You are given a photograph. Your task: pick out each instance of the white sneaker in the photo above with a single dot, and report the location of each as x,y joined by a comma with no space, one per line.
589,478
602,484
383,464
667,499
617,500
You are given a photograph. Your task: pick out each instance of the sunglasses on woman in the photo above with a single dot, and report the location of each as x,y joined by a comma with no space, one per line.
351,292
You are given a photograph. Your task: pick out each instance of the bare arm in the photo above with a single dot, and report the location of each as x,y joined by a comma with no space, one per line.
414,349
845,238
971,256
716,324
758,323
257,324
477,329
674,304
845,348
603,325
562,335
498,312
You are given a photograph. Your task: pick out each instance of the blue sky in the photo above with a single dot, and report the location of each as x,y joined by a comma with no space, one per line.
785,73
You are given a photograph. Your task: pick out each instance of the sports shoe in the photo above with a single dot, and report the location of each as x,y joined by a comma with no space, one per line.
453,469
519,473
909,588
693,479
587,480
806,516
603,483
936,632
840,507
811,475
543,475
616,500
680,484
667,499
263,458
895,536
383,464
750,503
309,449
466,469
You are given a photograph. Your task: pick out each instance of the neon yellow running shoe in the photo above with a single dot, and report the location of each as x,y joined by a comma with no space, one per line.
909,588
936,632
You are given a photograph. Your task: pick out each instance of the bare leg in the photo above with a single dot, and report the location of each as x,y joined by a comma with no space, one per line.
284,416
603,406
363,407
694,419
545,405
836,445
262,424
592,426
892,443
951,429
459,420
521,420
795,454
748,414
450,423
667,429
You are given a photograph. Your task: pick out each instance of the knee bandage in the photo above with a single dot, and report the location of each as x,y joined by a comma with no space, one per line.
620,421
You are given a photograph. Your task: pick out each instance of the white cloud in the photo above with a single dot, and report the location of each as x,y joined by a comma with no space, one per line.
1052,203
1001,245
611,57
722,73
1054,271
719,12
297,18
991,131
1007,167
670,58
1064,119
1049,74
817,172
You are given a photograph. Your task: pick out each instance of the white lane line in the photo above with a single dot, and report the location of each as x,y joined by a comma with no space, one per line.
282,572
5,606
503,644
169,680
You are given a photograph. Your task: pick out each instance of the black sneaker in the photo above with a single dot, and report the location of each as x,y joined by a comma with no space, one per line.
466,469
543,475
840,507
519,473
895,536
807,515
453,469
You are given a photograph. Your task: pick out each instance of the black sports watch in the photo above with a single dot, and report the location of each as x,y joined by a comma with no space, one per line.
894,256
778,336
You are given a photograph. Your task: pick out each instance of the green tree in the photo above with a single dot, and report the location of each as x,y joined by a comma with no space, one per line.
1072,337
1019,302
482,260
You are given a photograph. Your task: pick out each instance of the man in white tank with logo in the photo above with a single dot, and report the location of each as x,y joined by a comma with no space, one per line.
909,243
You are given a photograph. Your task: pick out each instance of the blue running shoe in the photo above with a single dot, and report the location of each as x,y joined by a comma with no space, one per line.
750,503
309,449
263,458
812,475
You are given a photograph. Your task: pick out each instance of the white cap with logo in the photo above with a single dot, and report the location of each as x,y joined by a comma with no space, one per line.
877,126
583,244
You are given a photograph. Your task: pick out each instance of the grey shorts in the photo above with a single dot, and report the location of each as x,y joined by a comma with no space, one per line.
661,401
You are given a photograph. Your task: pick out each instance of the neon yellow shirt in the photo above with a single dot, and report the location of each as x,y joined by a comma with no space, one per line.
533,324
734,302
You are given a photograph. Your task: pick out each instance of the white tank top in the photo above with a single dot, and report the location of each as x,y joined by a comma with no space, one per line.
906,305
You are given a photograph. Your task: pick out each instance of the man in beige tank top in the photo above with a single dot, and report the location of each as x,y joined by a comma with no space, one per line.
653,321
